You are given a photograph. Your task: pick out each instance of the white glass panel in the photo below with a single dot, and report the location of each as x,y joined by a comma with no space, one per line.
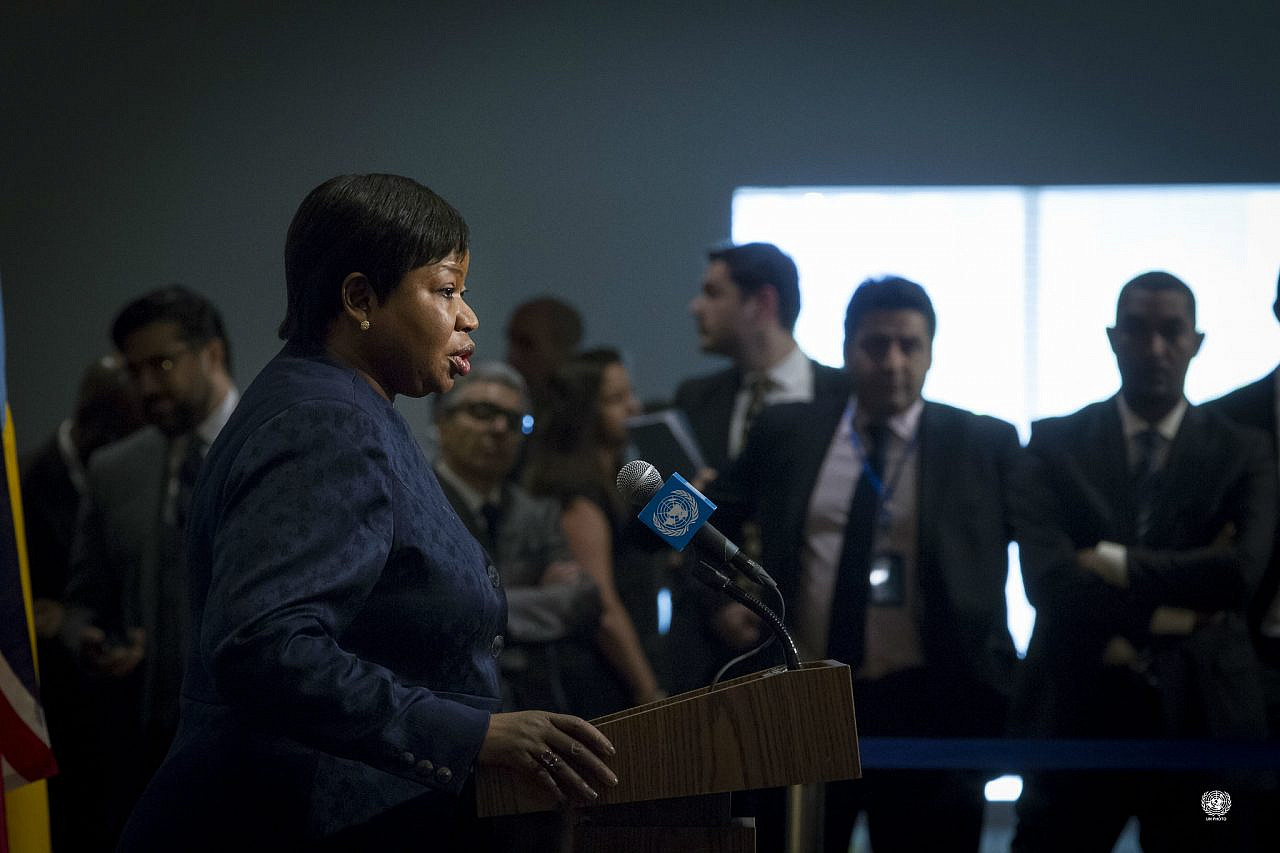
964,246
1025,279
1222,241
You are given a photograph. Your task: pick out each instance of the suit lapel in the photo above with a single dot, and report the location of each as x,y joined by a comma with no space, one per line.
1268,406
1105,459
934,446
142,586
719,409
812,440
796,474
1181,470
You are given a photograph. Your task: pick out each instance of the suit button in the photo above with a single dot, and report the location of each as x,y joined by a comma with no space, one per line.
495,648
424,768
443,775
407,759
494,578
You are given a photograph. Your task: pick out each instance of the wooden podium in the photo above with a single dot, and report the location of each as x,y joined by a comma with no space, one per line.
773,728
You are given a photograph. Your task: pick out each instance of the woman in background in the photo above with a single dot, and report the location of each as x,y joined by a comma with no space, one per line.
575,458
343,680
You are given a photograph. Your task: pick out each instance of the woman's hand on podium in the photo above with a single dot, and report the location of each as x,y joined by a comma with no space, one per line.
565,754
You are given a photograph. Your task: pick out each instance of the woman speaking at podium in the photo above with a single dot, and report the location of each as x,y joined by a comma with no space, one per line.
343,680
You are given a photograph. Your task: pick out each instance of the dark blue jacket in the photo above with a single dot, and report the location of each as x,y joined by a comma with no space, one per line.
346,626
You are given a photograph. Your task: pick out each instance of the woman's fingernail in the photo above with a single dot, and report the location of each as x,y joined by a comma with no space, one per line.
613,779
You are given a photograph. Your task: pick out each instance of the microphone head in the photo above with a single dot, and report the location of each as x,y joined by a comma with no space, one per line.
638,482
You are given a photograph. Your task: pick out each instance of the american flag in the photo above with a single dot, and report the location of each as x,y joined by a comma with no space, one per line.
25,755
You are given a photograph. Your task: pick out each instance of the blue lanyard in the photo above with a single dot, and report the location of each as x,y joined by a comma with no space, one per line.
884,492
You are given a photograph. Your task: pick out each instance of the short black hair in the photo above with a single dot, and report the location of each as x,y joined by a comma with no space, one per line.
888,293
753,265
197,319
1157,280
380,225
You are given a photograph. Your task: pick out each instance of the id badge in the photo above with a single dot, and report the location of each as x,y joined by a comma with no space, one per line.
886,581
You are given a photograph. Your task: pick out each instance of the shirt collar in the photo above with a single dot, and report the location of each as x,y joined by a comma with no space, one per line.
1167,426
210,427
71,457
903,425
790,374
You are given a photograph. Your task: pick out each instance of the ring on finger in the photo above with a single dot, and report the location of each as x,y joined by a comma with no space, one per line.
549,759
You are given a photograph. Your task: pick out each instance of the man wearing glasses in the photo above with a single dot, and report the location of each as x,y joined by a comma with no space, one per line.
128,619
482,422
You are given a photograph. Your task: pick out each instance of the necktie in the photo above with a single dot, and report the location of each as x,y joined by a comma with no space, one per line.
188,471
845,635
759,388
1146,479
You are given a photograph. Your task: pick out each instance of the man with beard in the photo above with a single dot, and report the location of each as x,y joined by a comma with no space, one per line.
128,611
1144,525
746,309
885,519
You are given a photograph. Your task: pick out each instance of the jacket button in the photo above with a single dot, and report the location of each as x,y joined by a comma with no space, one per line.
495,648
494,578
424,768
407,759
443,775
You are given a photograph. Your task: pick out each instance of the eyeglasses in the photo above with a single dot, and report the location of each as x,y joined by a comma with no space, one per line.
157,365
486,412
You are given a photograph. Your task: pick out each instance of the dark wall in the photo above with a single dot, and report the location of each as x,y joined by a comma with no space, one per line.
592,146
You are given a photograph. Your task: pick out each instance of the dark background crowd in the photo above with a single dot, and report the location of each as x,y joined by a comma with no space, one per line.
593,147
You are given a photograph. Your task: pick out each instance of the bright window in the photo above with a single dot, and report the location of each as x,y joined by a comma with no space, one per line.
1025,279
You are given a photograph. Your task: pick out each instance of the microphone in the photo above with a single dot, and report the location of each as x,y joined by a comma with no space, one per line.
678,513
639,482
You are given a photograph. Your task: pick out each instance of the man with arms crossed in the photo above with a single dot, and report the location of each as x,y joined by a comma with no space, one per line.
1144,524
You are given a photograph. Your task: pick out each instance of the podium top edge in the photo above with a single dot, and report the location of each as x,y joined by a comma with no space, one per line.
699,692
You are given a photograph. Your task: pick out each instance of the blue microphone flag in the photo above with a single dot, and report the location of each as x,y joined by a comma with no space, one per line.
677,512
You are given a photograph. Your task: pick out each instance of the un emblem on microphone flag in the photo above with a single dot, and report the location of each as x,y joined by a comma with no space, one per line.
677,512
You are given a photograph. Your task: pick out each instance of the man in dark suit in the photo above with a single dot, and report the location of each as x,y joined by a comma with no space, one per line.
885,522
128,610
746,310
1258,405
552,605
1144,525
